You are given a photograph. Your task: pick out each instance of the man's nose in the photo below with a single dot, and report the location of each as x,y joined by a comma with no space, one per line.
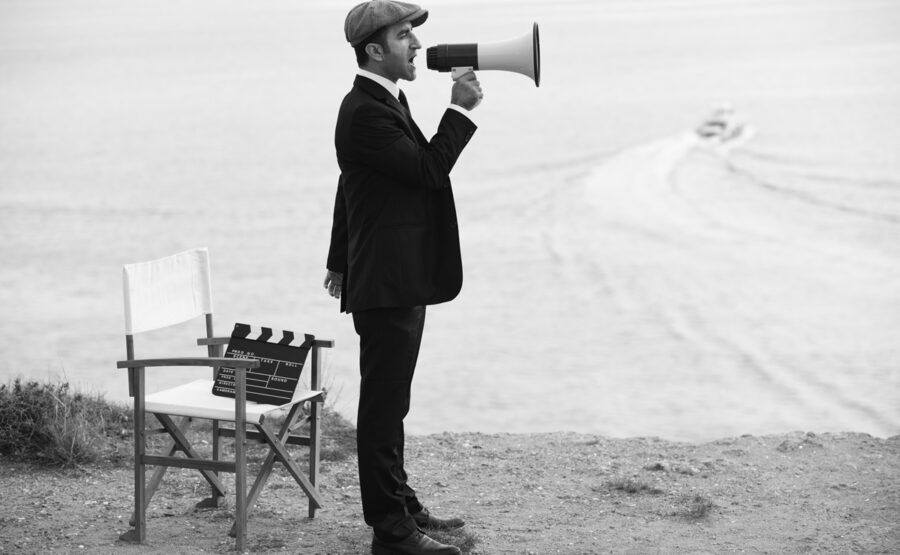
414,43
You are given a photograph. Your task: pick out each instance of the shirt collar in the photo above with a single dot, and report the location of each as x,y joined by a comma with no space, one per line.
391,87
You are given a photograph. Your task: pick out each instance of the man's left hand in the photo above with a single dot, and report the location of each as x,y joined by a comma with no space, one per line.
333,283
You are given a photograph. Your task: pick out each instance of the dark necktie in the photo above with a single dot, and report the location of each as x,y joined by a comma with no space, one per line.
412,125
405,104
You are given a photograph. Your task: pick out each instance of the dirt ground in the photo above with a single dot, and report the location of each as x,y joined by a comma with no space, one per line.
542,493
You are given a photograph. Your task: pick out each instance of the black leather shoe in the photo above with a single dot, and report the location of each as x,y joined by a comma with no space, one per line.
416,544
427,522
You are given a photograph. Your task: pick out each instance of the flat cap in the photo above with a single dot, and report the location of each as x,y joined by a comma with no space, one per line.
368,17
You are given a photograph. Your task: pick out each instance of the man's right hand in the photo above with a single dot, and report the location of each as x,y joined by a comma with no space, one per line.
333,283
466,91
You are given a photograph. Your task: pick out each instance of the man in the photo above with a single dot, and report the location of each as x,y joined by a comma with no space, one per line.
394,250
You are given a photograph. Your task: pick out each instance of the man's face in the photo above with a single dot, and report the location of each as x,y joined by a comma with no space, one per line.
402,47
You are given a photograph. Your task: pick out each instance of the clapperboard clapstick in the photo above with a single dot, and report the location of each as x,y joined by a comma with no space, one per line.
281,362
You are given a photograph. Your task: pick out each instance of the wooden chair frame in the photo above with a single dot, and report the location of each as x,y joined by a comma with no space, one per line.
277,441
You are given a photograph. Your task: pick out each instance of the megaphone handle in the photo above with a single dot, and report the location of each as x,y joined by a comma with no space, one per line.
458,72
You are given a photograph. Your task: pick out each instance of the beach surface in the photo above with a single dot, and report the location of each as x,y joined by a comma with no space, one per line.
519,493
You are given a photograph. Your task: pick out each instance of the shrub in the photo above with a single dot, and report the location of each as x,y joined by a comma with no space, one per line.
49,423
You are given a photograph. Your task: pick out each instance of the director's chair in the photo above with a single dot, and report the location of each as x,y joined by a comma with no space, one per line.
172,290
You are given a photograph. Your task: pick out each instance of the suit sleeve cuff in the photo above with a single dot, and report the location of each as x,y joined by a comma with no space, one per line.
462,111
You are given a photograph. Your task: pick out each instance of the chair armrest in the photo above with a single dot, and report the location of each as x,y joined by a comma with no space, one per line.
209,341
190,361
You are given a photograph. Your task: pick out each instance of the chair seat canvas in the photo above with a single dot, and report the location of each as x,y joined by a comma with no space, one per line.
195,399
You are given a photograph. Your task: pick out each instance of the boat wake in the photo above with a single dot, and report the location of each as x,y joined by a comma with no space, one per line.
684,269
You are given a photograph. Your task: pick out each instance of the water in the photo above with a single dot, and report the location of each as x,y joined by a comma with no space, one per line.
621,278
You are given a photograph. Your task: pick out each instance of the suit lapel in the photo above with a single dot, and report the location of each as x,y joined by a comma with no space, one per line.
378,92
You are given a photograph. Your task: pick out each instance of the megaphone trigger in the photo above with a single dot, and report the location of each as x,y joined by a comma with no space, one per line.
519,55
457,72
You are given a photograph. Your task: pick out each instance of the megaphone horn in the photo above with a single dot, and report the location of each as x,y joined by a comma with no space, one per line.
519,55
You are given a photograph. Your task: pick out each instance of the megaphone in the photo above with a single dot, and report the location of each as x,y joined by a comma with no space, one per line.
519,55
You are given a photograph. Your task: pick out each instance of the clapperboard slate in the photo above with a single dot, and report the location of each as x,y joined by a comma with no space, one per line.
281,360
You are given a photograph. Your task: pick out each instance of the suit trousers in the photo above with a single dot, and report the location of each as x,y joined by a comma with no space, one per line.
389,340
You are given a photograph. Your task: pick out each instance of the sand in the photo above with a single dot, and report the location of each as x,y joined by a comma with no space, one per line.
539,493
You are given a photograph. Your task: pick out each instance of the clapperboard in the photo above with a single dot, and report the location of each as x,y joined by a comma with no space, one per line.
280,364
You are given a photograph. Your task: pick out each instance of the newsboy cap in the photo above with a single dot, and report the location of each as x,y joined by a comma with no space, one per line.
368,17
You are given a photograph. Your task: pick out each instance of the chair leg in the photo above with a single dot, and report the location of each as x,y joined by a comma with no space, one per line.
264,471
267,466
240,496
138,534
212,501
213,351
155,480
240,459
160,471
314,408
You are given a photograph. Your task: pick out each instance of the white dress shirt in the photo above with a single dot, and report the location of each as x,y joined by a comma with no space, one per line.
394,89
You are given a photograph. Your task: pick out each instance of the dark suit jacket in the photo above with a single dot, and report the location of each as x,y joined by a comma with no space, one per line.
394,234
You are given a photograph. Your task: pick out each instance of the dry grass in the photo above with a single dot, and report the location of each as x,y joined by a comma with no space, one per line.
695,507
49,423
632,485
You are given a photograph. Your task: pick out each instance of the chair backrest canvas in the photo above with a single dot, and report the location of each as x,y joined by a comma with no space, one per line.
168,291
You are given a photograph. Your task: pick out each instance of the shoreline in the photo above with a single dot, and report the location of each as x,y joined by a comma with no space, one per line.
520,493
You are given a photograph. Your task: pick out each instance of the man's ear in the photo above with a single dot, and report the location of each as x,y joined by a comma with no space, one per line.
375,51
